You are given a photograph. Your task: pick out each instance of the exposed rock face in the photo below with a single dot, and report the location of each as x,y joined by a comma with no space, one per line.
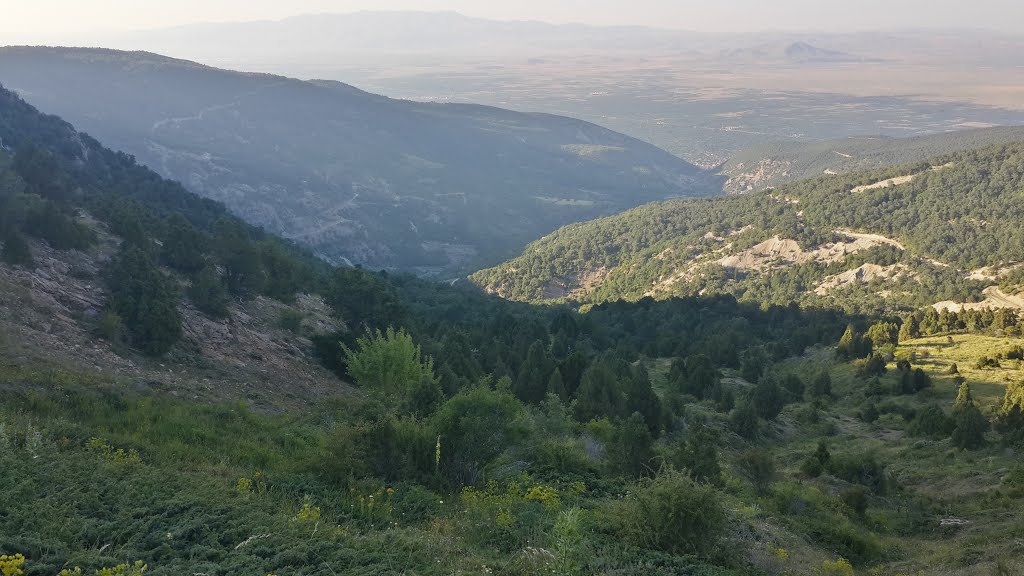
861,275
782,252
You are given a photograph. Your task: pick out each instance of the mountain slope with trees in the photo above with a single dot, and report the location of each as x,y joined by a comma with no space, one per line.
461,433
354,176
893,239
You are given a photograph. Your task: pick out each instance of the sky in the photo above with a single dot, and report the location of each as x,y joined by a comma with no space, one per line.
49,20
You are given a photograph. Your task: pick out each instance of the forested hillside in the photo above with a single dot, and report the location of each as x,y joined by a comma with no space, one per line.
354,176
770,165
887,240
460,433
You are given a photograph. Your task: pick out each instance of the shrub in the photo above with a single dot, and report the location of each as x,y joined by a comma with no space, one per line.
146,299
111,328
16,251
986,362
12,565
971,427
208,293
822,385
856,498
290,320
758,467
840,567
817,462
931,422
674,514
861,468
743,421
873,365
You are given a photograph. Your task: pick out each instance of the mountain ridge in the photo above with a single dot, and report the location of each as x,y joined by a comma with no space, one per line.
333,166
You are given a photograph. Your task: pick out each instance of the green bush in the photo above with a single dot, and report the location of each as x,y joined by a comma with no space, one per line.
16,251
674,514
208,293
758,466
856,498
971,426
862,468
146,299
743,421
817,462
111,328
931,422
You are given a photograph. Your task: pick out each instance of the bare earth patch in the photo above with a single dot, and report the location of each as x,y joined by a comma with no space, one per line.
995,298
778,251
861,275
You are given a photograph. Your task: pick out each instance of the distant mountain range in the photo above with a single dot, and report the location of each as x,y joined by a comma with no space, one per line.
411,33
798,52
357,177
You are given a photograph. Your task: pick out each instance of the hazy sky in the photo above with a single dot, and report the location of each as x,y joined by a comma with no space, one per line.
49,20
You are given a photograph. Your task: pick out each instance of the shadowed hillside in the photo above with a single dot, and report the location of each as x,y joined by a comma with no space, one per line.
356,177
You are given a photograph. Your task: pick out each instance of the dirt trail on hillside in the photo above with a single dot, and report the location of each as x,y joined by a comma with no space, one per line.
994,298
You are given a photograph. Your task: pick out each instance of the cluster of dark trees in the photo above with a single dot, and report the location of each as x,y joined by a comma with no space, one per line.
929,322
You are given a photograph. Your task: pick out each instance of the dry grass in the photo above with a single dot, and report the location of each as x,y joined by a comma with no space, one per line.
935,354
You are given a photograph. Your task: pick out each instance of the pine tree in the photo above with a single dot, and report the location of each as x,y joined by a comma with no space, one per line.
599,394
701,376
146,299
641,398
971,426
697,453
531,384
743,421
183,245
964,399
759,467
556,386
847,348
768,398
822,386
634,446
208,293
